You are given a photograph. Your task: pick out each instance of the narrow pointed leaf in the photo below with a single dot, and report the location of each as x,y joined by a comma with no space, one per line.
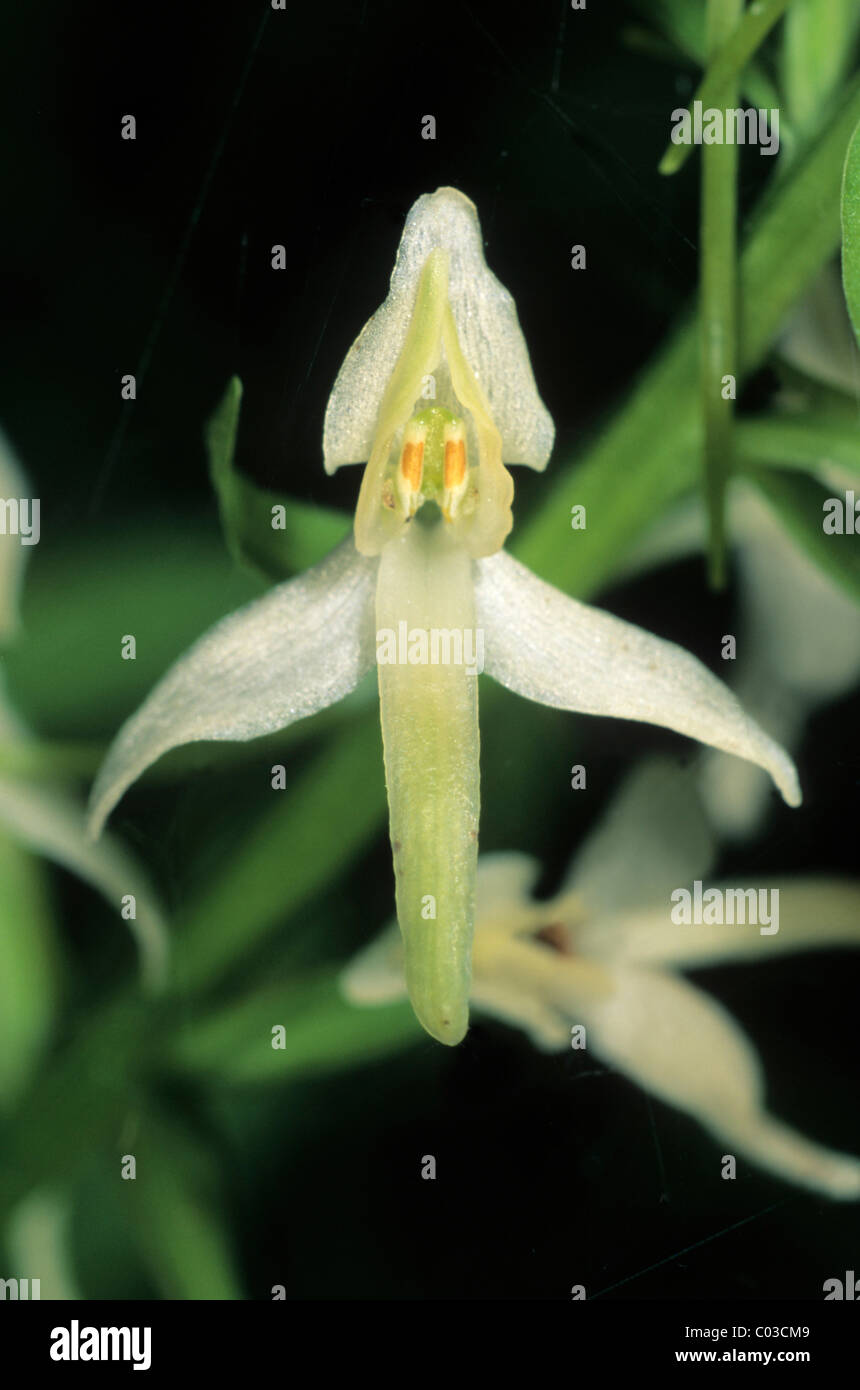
726,66
851,230
240,1043
802,505
52,824
274,534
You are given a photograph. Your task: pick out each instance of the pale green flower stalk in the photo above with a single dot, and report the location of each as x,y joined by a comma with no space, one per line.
435,396
604,954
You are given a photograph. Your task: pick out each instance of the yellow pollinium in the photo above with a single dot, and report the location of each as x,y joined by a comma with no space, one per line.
433,464
424,457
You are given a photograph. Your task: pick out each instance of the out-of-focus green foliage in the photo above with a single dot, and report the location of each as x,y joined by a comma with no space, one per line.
818,40
321,1032
727,63
27,967
800,503
851,230
275,535
324,819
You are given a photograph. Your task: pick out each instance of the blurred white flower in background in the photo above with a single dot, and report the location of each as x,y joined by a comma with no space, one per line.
604,953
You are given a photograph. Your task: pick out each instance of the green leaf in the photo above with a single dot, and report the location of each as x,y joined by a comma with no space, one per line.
273,534
27,967
818,47
174,1211
728,63
648,454
807,442
51,1137
799,502
851,230
325,818
164,584
322,1032
684,25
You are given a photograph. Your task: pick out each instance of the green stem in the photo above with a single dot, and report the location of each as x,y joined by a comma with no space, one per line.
718,304
734,53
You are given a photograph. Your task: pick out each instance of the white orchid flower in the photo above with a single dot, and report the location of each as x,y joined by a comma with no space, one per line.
604,954
435,396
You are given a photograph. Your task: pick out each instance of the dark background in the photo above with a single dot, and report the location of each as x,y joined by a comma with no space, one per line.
303,127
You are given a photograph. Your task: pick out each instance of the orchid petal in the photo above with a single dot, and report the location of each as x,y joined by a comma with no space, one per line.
813,914
803,629
53,825
375,975
653,838
534,988
430,741
801,645
686,1049
293,652
818,339
557,651
504,891
487,327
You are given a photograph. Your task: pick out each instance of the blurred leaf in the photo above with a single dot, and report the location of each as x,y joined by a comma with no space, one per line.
164,583
799,441
728,63
315,828
50,822
51,1137
174,1211
27,967
323,1032
37,1238
305,533
818,40
649,452
684,24
799,503
13,554
851,230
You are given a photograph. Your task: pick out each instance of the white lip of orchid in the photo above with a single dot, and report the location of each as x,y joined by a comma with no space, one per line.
588,957
308,642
